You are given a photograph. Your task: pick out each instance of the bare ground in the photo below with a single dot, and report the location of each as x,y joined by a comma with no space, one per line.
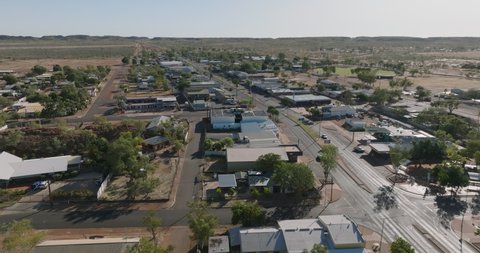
23,66
165,171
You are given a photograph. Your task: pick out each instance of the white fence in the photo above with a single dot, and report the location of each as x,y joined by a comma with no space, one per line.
103,186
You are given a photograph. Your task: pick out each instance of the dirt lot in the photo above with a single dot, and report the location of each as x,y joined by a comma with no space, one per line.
165,171
23,66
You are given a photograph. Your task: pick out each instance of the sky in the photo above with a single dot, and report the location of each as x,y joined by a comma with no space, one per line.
241,18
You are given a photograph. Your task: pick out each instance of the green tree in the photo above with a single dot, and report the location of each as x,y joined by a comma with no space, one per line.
249,214
21,237
152,222
451,104
328,159
268,162
183,84
201,223
367,76
451,174
5,102
125,60
401,246
296,177
148,246
57,68
273,112
318,248
427,151
124,158
380,96
10,79
38,70
422,93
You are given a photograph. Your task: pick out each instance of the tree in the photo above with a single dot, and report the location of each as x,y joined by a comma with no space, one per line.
273,112
4,102
123,157
451,174
201,223
152,223
451,104
125,60
249,214
319,248
21,237
38,70
346,97
402,83
183,84
380,96
57,68
296,177
147,246
427,150
413,72
401,246
268,162
328,159
10,79
422,93
367,76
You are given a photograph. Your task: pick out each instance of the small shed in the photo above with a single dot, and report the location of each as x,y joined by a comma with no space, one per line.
227,181
355,125
218,244
260,182
156,142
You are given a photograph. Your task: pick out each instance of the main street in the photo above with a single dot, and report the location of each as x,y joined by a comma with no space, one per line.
356,202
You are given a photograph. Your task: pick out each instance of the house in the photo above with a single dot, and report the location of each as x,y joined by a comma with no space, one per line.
96,245
218,244
167,64
386,76
243,159
269,239
301,234
336,232
26,109
154,123
203,94
343,233
14,167
4,72
307,100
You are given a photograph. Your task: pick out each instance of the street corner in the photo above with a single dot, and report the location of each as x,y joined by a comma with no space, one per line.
332,193
466,227
373,240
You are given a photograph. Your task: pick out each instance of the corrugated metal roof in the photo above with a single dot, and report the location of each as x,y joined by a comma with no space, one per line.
342,230
262,240
301,234
227,180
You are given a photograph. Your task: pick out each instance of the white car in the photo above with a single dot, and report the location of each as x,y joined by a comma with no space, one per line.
359,149
40,185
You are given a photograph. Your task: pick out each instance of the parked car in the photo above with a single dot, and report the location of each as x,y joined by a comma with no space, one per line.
358,149
308,122
40,185
324,136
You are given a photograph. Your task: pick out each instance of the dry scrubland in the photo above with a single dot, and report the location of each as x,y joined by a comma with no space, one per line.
23,66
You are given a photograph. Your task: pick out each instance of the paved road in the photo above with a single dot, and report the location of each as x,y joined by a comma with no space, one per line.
356,202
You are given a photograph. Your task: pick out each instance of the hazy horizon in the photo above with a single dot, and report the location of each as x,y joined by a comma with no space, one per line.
242,19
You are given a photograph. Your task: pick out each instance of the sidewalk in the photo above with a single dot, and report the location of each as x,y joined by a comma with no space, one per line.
470,223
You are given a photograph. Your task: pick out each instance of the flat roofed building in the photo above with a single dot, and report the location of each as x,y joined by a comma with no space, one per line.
239,159
308,100
98,245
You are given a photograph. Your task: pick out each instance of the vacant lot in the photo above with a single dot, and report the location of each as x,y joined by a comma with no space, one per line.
23,66
438,84
66,52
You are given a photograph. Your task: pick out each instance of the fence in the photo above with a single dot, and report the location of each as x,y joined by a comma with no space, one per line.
103,186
